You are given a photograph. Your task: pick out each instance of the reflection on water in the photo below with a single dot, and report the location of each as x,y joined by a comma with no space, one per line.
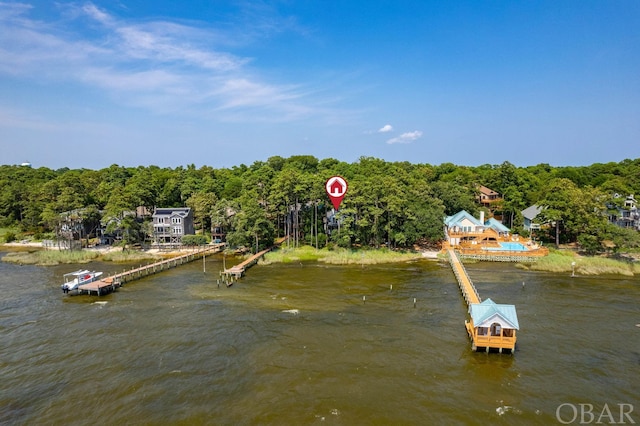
297,344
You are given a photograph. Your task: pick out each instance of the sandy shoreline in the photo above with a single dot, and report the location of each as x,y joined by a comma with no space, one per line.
99,249
22,244
428,254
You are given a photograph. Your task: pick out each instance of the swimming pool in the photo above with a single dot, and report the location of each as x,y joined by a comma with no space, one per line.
508,247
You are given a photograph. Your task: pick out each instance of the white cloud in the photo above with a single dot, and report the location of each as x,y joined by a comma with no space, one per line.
158,65
95,13
406,137
386,128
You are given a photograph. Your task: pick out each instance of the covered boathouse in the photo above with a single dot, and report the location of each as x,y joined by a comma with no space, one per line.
492,326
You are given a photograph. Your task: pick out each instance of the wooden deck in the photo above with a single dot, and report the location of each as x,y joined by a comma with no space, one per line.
487,245
487,341
238,270
100,287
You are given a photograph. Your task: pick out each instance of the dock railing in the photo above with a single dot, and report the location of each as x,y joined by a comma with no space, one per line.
469,291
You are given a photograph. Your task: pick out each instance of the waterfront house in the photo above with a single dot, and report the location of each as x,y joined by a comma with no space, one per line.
74,226
488,239
111,229
492,326
70,230
626,215
529,214
463,226
170,224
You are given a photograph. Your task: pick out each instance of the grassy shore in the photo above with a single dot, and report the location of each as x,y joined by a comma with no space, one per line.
129,256
49,257
24,256
339,256
558,261
568,261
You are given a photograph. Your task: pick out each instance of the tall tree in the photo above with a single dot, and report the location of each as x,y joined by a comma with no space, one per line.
202,204
251,228
556,202
573,210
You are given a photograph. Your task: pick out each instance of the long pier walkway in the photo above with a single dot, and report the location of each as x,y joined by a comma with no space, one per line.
109,284
491,326
467,288
238,270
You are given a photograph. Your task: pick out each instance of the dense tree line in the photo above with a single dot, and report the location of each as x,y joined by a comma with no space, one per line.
389,203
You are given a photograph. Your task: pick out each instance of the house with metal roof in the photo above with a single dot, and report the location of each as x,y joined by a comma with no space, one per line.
487,239
463,225
497,226
492,325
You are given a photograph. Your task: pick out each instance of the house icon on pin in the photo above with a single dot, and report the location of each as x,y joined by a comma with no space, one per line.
336,187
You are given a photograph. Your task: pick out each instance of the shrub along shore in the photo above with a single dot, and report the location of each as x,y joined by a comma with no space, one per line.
558,261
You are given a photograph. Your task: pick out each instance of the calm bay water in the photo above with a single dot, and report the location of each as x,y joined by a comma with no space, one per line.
296,344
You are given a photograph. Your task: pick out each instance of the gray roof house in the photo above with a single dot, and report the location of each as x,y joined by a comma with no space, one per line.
529,214
170,224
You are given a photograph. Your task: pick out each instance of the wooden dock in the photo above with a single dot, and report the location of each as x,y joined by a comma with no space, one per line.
100,287
237,271
491,331
467,288
111,283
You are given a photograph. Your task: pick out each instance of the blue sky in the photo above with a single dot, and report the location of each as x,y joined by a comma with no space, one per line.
224,83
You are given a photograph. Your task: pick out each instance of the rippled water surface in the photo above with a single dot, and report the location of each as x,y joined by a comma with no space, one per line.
298,344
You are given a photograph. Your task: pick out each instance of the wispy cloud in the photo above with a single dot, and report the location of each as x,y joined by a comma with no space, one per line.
159,65
386,128
406,137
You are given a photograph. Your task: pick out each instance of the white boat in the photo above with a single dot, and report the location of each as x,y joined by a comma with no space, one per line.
74,279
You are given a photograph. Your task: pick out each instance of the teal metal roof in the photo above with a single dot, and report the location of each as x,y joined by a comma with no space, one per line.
459,217
498,226
481,312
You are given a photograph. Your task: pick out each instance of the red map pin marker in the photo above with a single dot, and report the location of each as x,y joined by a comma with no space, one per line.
336,187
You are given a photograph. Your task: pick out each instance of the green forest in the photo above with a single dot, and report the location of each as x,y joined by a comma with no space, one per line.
393,204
